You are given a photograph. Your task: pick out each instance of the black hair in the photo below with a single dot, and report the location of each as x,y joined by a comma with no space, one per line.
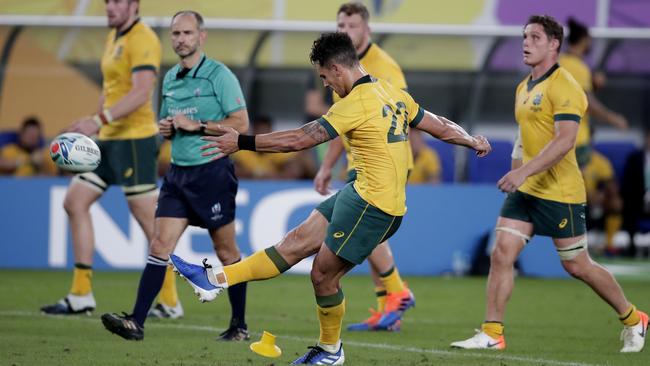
331,48
577,31
30,122
196,15
552,28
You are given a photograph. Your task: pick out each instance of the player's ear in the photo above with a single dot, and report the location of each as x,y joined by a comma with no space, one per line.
203,35
336,69
555,43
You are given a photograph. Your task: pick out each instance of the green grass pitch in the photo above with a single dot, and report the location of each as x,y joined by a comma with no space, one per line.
549,322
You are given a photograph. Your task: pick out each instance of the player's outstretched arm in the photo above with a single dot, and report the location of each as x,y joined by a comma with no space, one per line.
598,110
551,154
324,175
309,135
448,131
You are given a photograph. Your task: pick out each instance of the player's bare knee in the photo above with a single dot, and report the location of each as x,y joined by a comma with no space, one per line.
318,277
160,248
573,268
502,257
227,255
73,206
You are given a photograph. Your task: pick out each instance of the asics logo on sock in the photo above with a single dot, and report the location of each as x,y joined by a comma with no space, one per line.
644,330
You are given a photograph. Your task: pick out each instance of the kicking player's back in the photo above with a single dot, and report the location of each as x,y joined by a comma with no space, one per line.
374,118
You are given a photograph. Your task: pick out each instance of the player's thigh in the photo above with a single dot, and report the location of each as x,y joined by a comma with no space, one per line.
357,227
305,239
143,207
80,196
167,231
511,235
573,252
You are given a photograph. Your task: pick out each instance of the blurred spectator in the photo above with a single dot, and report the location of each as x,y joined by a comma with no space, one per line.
426,164
258,165
27,157
604,204
579,45
635,190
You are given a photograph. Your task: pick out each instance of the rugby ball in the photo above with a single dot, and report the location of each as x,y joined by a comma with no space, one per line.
75,152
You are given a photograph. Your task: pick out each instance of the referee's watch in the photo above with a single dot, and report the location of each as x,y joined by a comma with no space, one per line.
202,126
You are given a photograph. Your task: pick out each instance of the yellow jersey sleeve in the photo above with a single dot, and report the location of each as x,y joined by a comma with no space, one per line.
342,117
414,112
568,100
144,51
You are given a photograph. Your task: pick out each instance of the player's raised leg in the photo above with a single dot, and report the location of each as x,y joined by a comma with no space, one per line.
511,237
298,244
82,193
166,234
577,262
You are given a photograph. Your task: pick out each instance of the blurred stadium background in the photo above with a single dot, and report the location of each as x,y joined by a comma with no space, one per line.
461,59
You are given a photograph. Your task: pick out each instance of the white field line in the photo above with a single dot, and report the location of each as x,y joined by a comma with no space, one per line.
380,346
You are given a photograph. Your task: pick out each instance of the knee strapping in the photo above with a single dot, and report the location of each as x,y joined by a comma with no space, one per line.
573,250
514,232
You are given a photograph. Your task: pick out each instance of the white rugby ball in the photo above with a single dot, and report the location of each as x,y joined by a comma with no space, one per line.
75,152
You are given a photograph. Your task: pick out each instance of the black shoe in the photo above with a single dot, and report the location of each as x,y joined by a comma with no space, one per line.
234,333
123,325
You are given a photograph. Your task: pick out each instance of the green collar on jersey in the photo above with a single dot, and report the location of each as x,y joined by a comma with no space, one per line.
531,83
127,30
364,79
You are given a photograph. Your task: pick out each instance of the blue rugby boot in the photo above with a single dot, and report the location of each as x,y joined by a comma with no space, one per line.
396,304
200,278
318,356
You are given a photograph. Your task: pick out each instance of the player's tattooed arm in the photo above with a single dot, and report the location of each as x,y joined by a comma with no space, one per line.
309,135
305,137
316,131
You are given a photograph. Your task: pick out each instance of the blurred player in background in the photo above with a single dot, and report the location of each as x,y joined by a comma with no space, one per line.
546,192
27,157
393,297
426,163
572,60
128,142
199,94
345,228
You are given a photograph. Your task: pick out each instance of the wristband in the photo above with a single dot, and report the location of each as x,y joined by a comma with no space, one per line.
103,118
246,142
98,121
